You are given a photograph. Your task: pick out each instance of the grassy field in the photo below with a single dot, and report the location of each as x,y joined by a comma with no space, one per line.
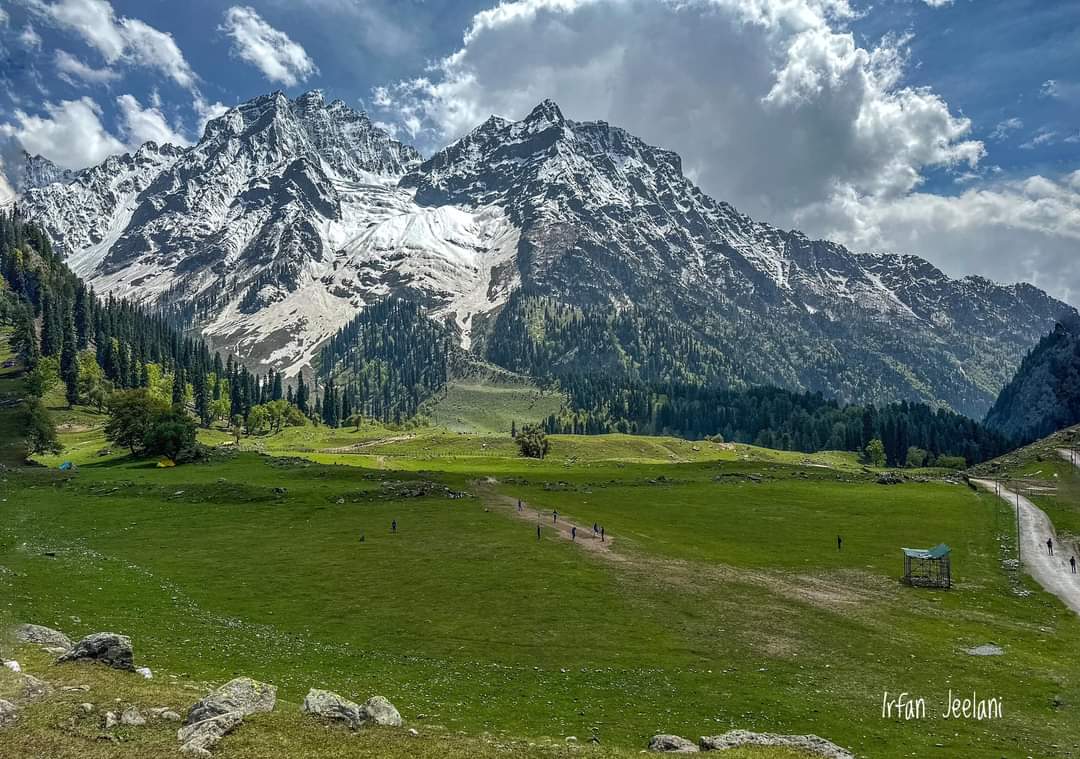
722,601
491,407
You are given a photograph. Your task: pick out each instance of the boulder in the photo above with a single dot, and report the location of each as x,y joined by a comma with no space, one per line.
86,708
108,648
109,721
34,689
672,744
42,636
8,712
132,717
13,666
809,744
170,716
379,711
198,738
146,672
323,703
242,695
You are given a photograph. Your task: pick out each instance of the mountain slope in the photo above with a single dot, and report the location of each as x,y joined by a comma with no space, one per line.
1044,395
290,216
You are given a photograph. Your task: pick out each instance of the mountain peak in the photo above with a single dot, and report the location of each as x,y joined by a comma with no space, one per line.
547,112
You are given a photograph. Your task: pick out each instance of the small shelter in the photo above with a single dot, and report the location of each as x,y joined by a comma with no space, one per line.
928,567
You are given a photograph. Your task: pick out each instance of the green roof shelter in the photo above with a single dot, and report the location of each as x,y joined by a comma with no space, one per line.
928,567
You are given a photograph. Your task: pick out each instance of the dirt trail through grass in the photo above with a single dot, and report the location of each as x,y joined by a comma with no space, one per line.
586,539
1052,572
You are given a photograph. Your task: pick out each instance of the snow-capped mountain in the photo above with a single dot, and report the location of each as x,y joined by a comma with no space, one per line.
288,216
39,171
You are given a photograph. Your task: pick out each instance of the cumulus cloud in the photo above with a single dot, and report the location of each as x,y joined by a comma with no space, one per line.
1013,230
774,106
76,72
126,40
278,57
146,124
772,103
1006,127
70,133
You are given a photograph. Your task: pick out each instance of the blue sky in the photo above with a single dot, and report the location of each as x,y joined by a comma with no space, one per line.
946,129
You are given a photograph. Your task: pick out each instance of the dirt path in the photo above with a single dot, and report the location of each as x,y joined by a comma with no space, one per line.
1052,572
563,527
356,447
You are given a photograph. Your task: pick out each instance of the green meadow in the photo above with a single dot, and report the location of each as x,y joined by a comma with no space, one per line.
720,601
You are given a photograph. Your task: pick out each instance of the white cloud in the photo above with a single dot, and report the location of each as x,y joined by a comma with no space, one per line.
126,40
4,18
271,51
29,38
1016,230
74,71
938,3
771,103
1043,136
1005,127
775,107
208,112
1060,90
70,134
146,124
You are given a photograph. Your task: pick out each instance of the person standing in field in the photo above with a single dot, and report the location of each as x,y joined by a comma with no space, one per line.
573,533
554,517
538,532
1050,546
602,539
839,543
1072,563
393,526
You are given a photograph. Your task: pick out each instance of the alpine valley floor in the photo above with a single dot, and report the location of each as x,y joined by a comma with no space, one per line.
721,603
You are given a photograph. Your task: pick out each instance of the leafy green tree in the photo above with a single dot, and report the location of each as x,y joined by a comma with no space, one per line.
131,414
219,409
43,377
40,431
532,441
916,457
170,434
875,452
258,420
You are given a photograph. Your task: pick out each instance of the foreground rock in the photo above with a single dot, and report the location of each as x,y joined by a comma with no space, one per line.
8,712
242,695
108,648
197,739
133,717
323,703
328,705
811,744
672,744
379,711
42,636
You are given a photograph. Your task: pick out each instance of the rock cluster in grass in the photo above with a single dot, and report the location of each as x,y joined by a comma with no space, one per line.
198,738
110,649
328,705
42,636
8,713
242,695
809,744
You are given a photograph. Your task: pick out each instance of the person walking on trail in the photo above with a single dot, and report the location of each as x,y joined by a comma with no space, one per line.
1050,546
537,532
393,526
361,536
573,533
1072,563
519,505
595,529
839,543
554,517
602,535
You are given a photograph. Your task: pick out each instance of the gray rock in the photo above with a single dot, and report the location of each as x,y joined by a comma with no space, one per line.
323,703
109,721
988,649
34,689
42,636
197,739
108,648
132,717
242,695
86,708
8,712
379,711
170,716
810,744
672,744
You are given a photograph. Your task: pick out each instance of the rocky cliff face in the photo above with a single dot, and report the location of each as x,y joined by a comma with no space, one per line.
289,216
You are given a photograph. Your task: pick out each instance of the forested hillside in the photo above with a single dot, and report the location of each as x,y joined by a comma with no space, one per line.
1044,396
383,364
